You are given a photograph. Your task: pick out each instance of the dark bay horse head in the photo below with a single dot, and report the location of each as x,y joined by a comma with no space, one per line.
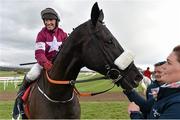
92,45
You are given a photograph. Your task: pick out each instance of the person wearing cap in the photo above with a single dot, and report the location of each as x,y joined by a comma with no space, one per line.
47,45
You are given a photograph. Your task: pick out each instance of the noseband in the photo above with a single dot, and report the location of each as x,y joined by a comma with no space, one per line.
115,74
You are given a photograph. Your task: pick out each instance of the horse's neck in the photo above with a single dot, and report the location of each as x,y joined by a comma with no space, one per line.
65,68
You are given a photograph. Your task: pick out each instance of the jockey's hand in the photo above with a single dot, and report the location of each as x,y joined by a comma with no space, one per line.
47,65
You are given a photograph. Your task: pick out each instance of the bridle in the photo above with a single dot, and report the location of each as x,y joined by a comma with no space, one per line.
72,83
115,74
109,75
112,72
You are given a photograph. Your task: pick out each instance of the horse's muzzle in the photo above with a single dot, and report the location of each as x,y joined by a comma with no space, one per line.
123,72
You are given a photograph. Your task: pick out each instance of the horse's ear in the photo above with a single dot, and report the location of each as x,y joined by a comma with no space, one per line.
95,12
101,16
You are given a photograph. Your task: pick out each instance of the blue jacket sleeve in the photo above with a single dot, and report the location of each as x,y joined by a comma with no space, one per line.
136,115
133,96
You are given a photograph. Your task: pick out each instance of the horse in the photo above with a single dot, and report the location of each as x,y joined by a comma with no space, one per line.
89,45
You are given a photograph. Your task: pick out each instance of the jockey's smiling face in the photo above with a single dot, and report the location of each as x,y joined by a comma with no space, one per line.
50,24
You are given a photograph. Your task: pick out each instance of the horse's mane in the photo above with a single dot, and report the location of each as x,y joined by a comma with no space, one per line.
76,30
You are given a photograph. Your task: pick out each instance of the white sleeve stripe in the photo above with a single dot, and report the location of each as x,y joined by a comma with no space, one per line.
40,45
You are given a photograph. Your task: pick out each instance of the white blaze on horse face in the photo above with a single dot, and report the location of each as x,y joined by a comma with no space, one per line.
124,60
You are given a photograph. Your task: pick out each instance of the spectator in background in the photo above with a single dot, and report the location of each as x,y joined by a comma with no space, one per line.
145,82
147,73
146,104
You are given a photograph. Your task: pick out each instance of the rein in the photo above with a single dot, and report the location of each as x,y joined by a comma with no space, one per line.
73,82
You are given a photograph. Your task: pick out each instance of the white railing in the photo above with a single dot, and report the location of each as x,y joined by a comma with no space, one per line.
18,79
6,80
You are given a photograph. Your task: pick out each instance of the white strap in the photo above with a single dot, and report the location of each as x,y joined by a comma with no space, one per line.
56,101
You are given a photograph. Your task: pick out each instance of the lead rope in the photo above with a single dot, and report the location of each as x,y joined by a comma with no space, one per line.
72,82
91,94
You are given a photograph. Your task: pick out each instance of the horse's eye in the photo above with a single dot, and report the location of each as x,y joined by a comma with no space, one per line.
109,41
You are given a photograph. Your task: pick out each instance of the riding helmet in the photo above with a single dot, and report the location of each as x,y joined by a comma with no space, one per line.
49,13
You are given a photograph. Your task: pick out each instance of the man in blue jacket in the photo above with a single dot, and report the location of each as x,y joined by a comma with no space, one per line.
146,104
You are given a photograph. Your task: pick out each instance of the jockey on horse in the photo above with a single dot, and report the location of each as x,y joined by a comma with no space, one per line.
47,43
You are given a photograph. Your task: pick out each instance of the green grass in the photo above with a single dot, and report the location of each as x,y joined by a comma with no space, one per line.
10,87
6,109
8,73
89,110
104,110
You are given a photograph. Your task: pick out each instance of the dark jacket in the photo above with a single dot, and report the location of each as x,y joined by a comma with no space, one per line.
167,105
144,104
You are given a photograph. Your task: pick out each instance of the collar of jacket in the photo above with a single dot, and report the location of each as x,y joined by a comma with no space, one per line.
165,92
